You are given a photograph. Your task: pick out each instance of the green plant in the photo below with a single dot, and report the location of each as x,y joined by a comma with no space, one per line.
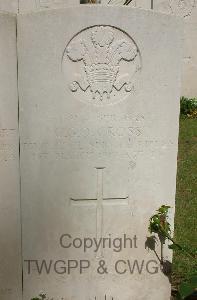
41,296
159,224
188,107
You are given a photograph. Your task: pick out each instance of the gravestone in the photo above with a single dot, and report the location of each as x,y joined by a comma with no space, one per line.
36,5
187,9
10,241
9,6
99,110
145,4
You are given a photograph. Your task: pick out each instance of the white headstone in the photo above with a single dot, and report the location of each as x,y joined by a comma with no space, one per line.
9,6
99,110
10,229
146,4
36,5
187,9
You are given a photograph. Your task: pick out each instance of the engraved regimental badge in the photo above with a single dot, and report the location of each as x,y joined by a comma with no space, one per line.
101,65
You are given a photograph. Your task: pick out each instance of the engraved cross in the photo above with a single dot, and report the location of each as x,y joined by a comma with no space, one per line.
100,201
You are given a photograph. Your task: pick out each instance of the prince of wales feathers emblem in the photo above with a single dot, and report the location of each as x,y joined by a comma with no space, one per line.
101,56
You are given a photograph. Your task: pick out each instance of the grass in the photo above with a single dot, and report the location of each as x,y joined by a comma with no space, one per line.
186,198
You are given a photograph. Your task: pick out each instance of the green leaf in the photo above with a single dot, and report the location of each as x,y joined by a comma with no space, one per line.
193,281
185,290
173,247
163,209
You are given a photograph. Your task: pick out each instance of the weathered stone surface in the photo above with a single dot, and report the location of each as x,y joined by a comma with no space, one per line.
189,81
9,6
186,9
99,106
183,8
146,4
35,5
10,254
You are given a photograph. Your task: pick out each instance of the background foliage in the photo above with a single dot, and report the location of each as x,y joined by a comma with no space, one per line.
188,107
186,195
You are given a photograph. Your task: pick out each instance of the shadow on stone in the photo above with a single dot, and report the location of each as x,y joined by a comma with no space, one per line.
165,265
